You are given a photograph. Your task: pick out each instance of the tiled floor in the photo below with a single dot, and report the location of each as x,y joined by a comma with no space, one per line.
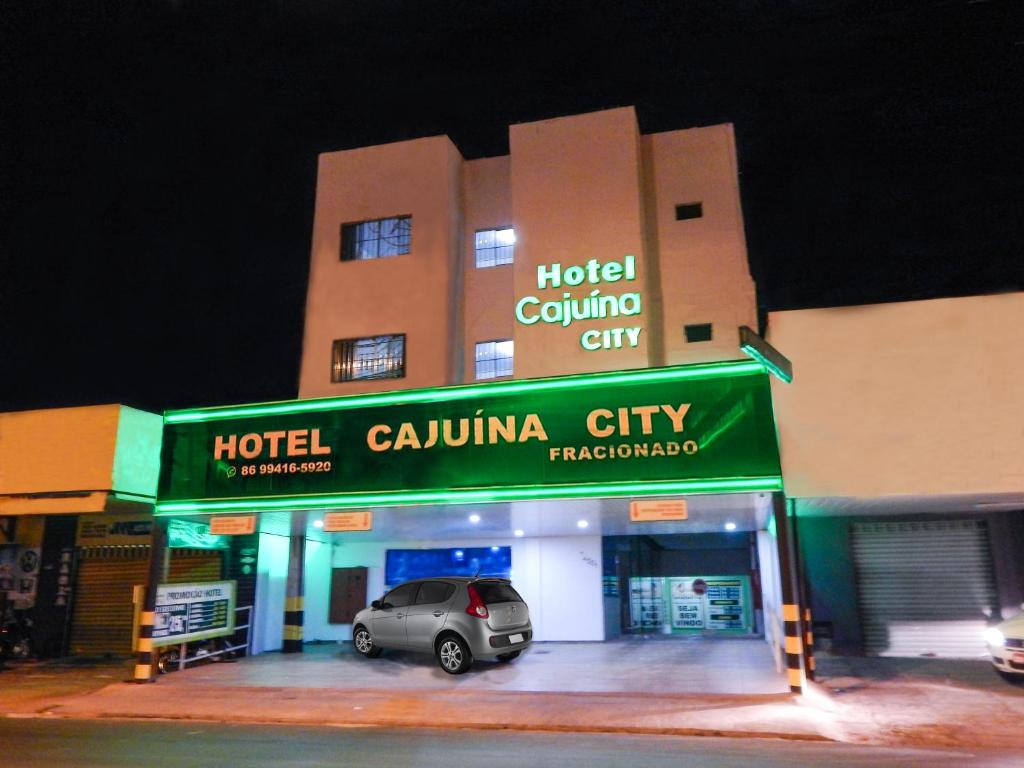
656,665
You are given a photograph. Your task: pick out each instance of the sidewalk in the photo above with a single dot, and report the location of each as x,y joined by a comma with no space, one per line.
883,701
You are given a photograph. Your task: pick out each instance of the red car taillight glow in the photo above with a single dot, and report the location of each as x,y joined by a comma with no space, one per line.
476,607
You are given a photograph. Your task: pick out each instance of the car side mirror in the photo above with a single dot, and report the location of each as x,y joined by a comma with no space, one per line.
375,605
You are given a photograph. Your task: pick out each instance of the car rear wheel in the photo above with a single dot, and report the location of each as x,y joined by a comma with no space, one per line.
364,644
453,655
509,656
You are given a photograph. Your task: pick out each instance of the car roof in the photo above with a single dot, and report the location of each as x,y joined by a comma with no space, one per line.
458,579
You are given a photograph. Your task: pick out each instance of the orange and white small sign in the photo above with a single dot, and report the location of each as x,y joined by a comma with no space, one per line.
335,522
655,511
232,525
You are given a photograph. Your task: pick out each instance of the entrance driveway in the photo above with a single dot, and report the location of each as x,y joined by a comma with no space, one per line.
656,665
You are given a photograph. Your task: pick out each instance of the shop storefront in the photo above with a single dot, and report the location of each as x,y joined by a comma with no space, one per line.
621,504
77,489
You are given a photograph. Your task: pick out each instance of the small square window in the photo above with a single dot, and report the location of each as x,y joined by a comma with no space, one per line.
377,239
494,247
689,211
494,359
700,332
375,357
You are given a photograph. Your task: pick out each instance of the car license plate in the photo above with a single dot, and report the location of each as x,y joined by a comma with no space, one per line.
519,638
1017,658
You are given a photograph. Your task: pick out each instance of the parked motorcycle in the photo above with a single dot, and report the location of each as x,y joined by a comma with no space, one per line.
15,635
198,652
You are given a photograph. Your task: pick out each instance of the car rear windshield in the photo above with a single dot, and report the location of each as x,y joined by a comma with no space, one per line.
496,592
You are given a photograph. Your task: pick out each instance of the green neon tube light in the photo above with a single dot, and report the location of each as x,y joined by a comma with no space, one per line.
475,495
462,392
768,364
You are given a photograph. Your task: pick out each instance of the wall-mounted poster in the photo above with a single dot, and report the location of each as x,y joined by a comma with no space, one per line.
687,604
646,602
691,603
19,571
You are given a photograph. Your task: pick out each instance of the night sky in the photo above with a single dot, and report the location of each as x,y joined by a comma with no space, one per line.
158,159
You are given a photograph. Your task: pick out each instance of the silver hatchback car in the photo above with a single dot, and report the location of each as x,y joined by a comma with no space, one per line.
456,619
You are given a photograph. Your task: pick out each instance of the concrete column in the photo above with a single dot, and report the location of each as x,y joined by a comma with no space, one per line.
294,589
144,667
791,613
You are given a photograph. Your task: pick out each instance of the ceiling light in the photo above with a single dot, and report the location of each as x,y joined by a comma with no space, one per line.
318,523
730,526
474,518
582,523
520,532
495,549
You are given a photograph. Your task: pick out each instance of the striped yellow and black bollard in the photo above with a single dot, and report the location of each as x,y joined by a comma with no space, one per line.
145,664
809,644
794,646
293,601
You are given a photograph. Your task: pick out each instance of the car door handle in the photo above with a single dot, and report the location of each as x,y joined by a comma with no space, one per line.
399,615
439,613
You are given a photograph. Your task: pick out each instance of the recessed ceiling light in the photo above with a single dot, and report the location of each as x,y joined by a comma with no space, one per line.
458,554
474,518
520,532
318,523
730,526
495,549
582,523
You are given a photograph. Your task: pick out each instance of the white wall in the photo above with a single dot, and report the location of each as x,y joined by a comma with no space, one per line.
569,604
317,586
271,578
559,578
771,593
916,397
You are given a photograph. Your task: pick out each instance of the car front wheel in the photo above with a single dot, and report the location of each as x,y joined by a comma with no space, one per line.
1010,677
364,644
453,655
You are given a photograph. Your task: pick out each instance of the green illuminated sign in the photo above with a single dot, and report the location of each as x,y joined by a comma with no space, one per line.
688,429
593,305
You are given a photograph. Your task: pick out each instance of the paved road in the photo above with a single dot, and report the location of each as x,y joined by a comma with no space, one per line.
33,743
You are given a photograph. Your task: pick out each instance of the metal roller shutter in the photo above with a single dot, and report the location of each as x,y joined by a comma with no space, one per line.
103,610
925,587
195,565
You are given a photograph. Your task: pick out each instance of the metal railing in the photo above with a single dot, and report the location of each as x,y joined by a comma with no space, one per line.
184,659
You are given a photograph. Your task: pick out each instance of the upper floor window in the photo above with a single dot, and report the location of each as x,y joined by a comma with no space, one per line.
375,357
697,332
494,359
377,239
495,246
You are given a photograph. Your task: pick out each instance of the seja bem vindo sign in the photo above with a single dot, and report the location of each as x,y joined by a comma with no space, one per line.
704,428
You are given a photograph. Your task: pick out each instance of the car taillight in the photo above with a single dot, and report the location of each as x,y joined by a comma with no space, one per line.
476,606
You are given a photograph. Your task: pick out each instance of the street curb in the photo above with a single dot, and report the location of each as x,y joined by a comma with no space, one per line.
633,730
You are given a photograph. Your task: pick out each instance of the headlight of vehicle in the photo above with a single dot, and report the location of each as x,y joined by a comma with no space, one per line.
994,637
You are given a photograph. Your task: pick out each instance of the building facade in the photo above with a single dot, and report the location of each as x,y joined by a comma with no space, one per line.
77,491
901,450
444,253
493,348
590,248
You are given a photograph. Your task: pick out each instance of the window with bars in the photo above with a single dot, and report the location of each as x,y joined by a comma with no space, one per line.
377,239
495,246
494,359
375,357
